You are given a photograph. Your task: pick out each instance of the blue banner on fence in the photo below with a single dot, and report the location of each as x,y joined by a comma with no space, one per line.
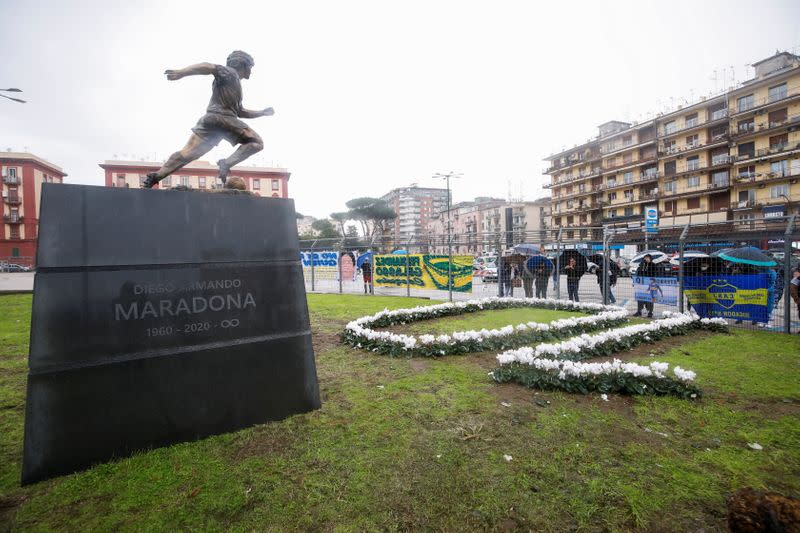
743,297
662,291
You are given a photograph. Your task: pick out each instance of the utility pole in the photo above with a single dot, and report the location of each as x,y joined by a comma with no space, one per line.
447,177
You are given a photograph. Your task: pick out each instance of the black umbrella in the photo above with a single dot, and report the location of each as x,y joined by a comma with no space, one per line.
749,255
537,261
597,259
580,260
694,266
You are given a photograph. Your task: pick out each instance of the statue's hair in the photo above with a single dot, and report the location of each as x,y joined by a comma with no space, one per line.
237,58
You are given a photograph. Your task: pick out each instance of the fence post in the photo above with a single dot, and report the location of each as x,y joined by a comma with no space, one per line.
408,276
607,236
557,278
339,262
372,249
682,266
313,288
450,263
497,263
787,275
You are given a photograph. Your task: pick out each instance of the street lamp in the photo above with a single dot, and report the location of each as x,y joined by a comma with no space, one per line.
12,90
447,177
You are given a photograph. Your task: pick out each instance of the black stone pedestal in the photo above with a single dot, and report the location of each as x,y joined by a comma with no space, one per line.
160,317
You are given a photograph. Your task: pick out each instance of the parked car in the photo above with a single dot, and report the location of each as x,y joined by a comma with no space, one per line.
13,267
489,274
624,265
663,268
688,255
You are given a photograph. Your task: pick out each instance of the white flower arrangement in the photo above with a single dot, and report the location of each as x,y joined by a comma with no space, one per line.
585,346
557,366
359,332
566,368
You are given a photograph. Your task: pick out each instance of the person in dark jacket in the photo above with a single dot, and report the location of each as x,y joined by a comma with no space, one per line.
612,279
573,279
647,269
366,273
527,279
541,278
506,274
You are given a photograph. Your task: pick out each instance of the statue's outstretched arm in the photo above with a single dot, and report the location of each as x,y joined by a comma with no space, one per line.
193,70
247,113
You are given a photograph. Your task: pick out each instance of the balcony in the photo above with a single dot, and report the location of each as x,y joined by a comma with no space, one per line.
750,128
12,200
767,101
652,195
12,219
715,116
570,179
626,146
719,114
757,177
716,162
10,180
718,139
766,153
744,204
642,161
624,218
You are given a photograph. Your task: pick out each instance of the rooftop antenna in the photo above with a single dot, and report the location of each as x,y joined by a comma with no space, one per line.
715,78
12,90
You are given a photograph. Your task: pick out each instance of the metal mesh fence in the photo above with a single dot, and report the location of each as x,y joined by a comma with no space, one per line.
688,267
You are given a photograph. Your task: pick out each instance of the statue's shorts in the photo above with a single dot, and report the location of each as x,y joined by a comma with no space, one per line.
213,127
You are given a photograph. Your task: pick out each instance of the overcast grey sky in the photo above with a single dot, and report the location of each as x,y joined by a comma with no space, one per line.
370,95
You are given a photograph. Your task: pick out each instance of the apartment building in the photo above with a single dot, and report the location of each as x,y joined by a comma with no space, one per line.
22,177
490,224
765,145
467,223
415,207
733,156
262,181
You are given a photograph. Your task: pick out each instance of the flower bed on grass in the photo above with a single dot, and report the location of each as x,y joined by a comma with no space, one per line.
611,376
556,366
360,332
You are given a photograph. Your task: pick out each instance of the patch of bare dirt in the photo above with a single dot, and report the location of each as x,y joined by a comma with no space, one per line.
324,341
265,439
418,364
771,408
8,509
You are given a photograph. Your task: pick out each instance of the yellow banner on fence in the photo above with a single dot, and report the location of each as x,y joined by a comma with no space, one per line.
728,299
423,271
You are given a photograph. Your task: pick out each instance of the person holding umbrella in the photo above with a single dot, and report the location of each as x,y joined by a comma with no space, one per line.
541,267
573,278
613,273
527,278
506,274
646,269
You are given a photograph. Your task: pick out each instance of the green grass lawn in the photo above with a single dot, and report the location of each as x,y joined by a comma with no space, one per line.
419,444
